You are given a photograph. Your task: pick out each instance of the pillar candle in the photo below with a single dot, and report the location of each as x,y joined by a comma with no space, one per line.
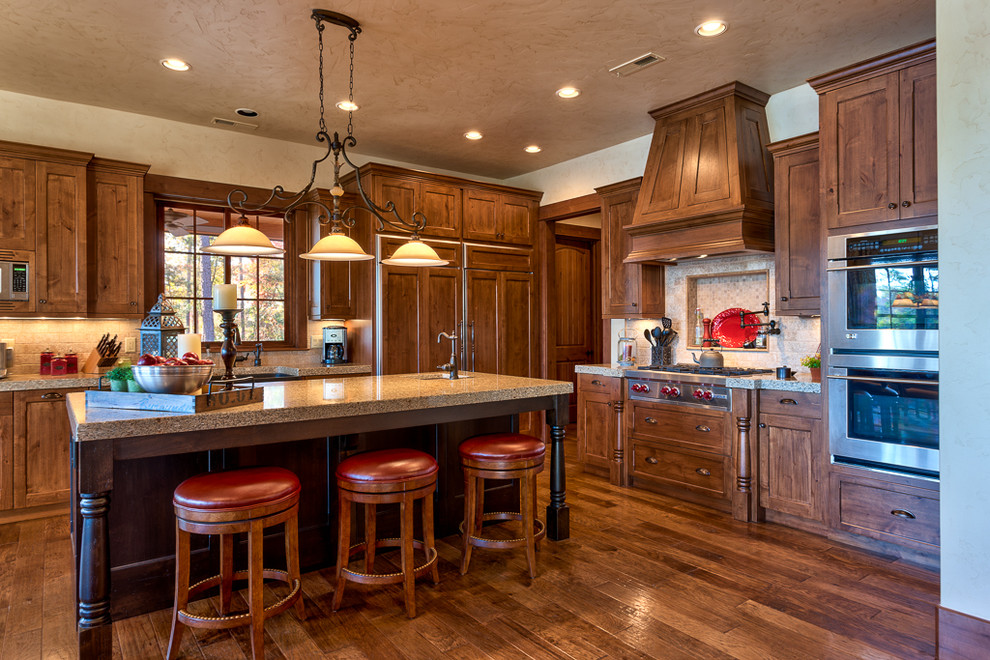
225,296
190,343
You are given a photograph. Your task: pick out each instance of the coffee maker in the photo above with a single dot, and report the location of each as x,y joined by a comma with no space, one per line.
334,345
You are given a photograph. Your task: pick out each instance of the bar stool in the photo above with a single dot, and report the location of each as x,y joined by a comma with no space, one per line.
227,503
501,456
386,477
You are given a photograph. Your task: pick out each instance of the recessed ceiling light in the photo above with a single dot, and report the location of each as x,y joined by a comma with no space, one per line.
175,64
702,256
568,92
473,135
246,112
347,106
711,28
533,149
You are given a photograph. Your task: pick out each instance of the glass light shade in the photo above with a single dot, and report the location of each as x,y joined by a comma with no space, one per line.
415,253
336,247
242,241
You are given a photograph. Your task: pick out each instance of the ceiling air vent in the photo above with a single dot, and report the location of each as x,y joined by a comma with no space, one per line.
230,123
636,64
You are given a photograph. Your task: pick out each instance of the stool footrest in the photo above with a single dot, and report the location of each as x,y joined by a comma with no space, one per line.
499,544
388,578
235,620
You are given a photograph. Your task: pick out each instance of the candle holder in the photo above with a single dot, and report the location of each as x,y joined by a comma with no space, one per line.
228,350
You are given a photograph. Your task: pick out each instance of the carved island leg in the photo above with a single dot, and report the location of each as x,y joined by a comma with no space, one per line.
558,513
618,470
95,482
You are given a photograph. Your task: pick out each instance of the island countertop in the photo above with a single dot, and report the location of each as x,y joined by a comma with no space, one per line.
310,400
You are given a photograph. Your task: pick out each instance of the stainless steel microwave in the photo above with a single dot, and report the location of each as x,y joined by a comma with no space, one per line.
883,290
13,280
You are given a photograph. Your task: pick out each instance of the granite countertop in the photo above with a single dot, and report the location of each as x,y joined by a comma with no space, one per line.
22,383
296,401
609,370
800,382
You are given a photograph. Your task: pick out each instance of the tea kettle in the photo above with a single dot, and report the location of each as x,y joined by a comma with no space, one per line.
709,359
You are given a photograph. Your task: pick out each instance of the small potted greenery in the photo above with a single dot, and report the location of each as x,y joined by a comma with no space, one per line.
814,364
122,380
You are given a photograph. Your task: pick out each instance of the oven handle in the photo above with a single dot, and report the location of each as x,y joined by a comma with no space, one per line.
875,266
903,381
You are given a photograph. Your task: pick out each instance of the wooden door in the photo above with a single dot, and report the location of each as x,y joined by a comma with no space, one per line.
440,311
919,155
61,225
115,248
797,226
401,298
17,204
790,465
482,321
515,219
859,153
442,207
575,316
41,448
480,213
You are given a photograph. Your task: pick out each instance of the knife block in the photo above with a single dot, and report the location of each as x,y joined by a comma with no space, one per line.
90,367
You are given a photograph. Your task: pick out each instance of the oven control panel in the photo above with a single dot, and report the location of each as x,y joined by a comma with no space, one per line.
705,395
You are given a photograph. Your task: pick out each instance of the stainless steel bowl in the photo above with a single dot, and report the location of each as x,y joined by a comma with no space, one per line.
186,379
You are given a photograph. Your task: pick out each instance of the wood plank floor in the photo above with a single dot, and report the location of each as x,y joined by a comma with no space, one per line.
642,576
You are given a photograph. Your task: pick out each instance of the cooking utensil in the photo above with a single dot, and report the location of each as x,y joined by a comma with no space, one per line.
727,331
657,335
671,335
172,379
666,322
649,337
709,359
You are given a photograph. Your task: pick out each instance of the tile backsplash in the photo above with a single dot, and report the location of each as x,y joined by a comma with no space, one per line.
748,281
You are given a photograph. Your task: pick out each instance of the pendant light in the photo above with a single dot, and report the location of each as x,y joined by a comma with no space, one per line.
336,246
242,240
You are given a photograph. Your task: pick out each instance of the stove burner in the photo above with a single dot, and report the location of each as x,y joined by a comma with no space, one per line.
683,368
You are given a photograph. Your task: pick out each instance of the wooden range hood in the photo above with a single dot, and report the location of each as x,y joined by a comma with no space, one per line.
708,184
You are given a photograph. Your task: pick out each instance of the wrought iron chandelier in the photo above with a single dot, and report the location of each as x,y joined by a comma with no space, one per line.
244,240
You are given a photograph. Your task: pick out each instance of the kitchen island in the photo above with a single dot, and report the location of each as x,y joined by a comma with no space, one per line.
126,462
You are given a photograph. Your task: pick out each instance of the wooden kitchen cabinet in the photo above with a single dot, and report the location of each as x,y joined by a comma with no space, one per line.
40,452
792,453
878,139
441,204
115,241
342,289
797,226
6,450
17,202
599,409
499,216
628,290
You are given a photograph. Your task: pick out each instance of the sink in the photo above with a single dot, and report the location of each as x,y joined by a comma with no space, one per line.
268,377
438,376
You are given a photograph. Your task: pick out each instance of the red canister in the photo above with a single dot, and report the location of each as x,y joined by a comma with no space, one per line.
71,363
58,366
46,363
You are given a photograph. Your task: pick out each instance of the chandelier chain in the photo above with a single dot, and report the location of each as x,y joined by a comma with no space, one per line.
350,90
323,122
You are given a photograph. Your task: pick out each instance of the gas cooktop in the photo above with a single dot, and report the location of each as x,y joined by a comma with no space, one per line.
683,368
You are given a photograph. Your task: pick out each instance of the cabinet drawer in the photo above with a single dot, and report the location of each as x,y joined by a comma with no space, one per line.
593,383
687,427
803,404
898,516
700,473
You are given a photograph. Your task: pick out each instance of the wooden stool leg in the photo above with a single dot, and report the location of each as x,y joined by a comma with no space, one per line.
526,508
479,510
428,538
370,536
534,499
256,567
226,571
408,563
181,589
470,512
343,546
292,560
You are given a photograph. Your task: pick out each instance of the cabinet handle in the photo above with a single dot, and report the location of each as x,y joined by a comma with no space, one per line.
652,460
892,206
903,513
598,383
783,298
702,428
43,301
608,403
905,203
763,426
633,304
788,402
133,304
705,472
650,420
52,395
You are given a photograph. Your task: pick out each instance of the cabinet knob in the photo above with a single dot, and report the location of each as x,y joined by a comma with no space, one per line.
58,395
652,460
905,203
783,298
892,206
133,304
609,404
763,426
702,428
650,420
705,472
598,383
903,513
633,304
43,301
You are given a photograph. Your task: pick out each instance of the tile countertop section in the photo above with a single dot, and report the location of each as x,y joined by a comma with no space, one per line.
296,401
801,382
608,370
22,383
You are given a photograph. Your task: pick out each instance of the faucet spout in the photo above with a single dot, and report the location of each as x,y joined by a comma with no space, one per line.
451,367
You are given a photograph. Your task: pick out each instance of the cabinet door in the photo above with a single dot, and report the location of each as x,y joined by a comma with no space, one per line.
17,204
596,430
440,311
859,152
621,293
480,213
481,344
41,448
515,219
706,161
116,244
790,465
919,180
661,194
6,450
401,297
797,232
517,320
344,285
401,192
61,253
442,207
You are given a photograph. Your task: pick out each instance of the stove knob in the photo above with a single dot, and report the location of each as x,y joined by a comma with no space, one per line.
709,395
644,388
665,390
636,387
675,392
698,394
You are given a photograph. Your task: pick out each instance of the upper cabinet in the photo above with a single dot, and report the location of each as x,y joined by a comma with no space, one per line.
628,290
440,204
797,226
878,139
499,216
341,289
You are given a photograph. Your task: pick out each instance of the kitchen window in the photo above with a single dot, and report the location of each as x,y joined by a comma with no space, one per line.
190,274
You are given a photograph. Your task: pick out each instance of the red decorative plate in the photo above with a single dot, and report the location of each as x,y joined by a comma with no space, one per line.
726,330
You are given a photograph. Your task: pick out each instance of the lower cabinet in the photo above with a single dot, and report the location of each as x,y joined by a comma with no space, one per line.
597,422
6,451
793,455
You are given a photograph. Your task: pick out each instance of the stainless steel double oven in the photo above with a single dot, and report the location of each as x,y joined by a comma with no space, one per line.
883,350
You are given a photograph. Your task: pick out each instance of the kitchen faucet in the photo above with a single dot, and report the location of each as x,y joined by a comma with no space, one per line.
257,354
450,367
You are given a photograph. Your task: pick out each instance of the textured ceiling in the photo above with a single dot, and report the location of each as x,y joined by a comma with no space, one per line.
428,71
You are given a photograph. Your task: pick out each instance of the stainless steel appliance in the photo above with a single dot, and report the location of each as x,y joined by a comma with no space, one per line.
4,362
13,280
883,412
334,345
883,290
686,384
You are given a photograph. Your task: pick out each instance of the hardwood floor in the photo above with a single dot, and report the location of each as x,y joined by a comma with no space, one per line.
642,576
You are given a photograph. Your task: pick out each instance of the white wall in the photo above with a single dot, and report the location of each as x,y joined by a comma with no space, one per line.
792,112
962,30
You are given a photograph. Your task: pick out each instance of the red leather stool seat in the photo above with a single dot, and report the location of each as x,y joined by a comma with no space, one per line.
386,466
502,446
237,489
